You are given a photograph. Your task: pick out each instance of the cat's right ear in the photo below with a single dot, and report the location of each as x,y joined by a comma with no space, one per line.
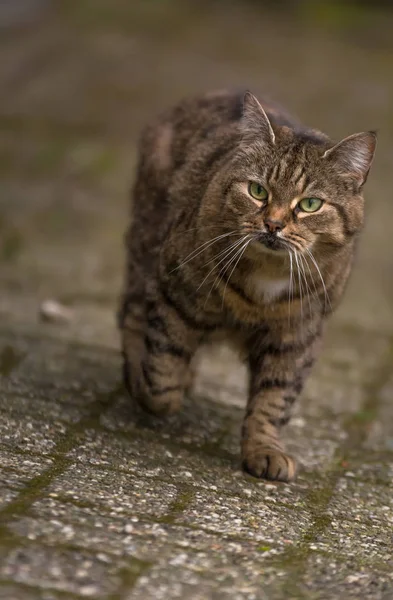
354,154
255,121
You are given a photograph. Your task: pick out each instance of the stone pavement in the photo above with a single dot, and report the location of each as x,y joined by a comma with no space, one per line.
97,499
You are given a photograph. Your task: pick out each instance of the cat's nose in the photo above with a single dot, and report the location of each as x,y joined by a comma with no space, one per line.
273,226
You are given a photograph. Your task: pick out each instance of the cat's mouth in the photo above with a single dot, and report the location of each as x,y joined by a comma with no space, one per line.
271,241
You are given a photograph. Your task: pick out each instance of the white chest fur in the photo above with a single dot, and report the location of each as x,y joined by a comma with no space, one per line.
265,289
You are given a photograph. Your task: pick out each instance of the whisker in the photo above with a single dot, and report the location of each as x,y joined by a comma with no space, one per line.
231,249
292,244
315,293
221,253
202,248
300,289
242,251
308,290
291,252
320,275
290,290
220,275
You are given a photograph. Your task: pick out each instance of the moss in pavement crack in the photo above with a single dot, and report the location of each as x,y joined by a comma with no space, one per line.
35,487
129,575
176,508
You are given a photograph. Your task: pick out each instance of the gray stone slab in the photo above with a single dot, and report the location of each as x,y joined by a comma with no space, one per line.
24,468
373,467
199,423
22,406
213,429
174,581
16,472
189,467
363,502
328,578
56,523
369,541
43,360
113,492
74,572
30,435
254,520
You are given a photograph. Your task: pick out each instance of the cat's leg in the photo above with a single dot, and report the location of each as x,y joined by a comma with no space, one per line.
132,314
157,358
277,375
133,325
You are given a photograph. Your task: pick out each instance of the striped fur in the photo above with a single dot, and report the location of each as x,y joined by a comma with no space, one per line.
201,258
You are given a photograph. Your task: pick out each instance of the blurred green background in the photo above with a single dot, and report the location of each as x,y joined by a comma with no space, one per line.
78,79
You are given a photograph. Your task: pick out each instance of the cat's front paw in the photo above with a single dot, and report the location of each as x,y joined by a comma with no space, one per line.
267,463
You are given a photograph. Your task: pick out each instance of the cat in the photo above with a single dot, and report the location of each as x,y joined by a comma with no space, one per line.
243,222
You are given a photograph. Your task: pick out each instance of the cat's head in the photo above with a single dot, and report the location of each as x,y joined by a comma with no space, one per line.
296,188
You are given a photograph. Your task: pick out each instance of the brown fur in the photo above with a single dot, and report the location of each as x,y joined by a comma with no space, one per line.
200,258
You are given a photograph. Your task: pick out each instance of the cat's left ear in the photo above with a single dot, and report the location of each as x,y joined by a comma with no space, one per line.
354,154
255,121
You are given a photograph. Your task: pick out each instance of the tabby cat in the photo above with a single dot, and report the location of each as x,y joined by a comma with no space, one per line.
244,222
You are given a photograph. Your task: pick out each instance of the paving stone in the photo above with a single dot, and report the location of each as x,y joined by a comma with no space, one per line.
180,582
41,361
256,520
30,434
115,493
65,570
23,467
21,406
363,502
143,456
55,522
366,541
374,467
214,421
16,472
218,432
328,578
73,393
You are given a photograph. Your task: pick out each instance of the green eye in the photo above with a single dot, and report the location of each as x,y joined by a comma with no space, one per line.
257,191
310,204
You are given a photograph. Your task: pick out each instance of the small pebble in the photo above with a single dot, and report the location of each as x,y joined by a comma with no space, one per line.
89,590
298,422
54,312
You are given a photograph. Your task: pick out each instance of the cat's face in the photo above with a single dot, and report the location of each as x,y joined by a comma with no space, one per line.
291,190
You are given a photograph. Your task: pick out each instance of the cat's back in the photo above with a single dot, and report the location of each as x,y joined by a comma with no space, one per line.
196,123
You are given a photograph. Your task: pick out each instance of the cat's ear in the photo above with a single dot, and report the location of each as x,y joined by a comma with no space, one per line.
255,121
354,154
